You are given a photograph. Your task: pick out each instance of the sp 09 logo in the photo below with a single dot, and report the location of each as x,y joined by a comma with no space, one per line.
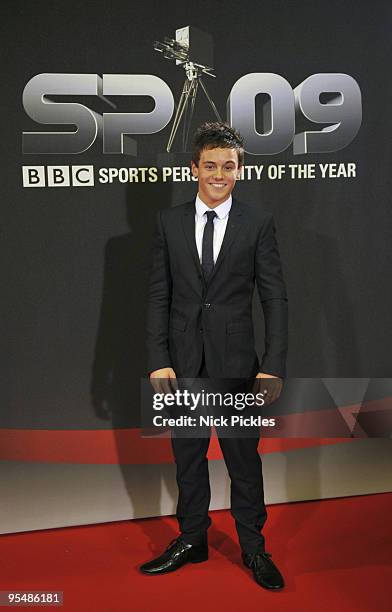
331,100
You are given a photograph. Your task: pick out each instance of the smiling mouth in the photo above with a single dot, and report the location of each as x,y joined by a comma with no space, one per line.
219,185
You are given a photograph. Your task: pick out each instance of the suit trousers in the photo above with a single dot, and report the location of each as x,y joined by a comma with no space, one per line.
244,466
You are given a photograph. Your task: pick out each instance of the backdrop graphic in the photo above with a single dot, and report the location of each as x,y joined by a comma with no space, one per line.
77,227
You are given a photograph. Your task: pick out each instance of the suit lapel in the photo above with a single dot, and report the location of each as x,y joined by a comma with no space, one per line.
188,222
232,230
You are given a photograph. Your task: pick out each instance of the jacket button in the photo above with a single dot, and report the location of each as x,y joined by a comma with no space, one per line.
201,330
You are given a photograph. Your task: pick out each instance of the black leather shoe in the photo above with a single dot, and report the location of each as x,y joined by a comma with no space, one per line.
265,571
177,554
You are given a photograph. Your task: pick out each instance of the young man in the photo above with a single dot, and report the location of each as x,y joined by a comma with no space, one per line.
208,255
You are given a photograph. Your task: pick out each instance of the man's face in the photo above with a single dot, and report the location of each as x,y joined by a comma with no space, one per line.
217,172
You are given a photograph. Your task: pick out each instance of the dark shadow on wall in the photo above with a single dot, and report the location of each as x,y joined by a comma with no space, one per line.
120,359
321,311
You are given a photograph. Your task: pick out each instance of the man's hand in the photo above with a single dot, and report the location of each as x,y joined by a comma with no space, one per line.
270,386
164,380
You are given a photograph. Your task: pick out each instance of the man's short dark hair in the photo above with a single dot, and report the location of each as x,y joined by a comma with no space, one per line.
213,135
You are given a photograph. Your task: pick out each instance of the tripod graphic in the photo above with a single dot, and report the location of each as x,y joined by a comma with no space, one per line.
186,105
190,45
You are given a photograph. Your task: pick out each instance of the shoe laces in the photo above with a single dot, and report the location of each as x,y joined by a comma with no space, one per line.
176,542
259,558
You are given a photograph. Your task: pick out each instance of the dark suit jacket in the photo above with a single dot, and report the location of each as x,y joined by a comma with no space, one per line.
185,312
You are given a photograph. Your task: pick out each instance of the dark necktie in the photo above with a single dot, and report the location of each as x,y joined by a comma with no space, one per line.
207,251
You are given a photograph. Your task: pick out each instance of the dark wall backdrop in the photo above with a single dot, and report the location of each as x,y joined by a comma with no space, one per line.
75,261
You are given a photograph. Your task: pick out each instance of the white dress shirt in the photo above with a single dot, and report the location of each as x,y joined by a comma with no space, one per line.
220,222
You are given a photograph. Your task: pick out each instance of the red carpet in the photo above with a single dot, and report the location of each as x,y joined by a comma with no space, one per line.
335,555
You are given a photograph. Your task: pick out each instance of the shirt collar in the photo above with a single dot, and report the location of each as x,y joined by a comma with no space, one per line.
222,210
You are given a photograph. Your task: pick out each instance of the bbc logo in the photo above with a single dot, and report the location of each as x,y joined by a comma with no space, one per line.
58,176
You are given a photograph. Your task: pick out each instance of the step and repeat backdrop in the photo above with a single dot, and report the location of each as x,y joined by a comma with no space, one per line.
99,104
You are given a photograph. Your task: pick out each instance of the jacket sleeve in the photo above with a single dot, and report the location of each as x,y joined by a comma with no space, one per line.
159,299
272,293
